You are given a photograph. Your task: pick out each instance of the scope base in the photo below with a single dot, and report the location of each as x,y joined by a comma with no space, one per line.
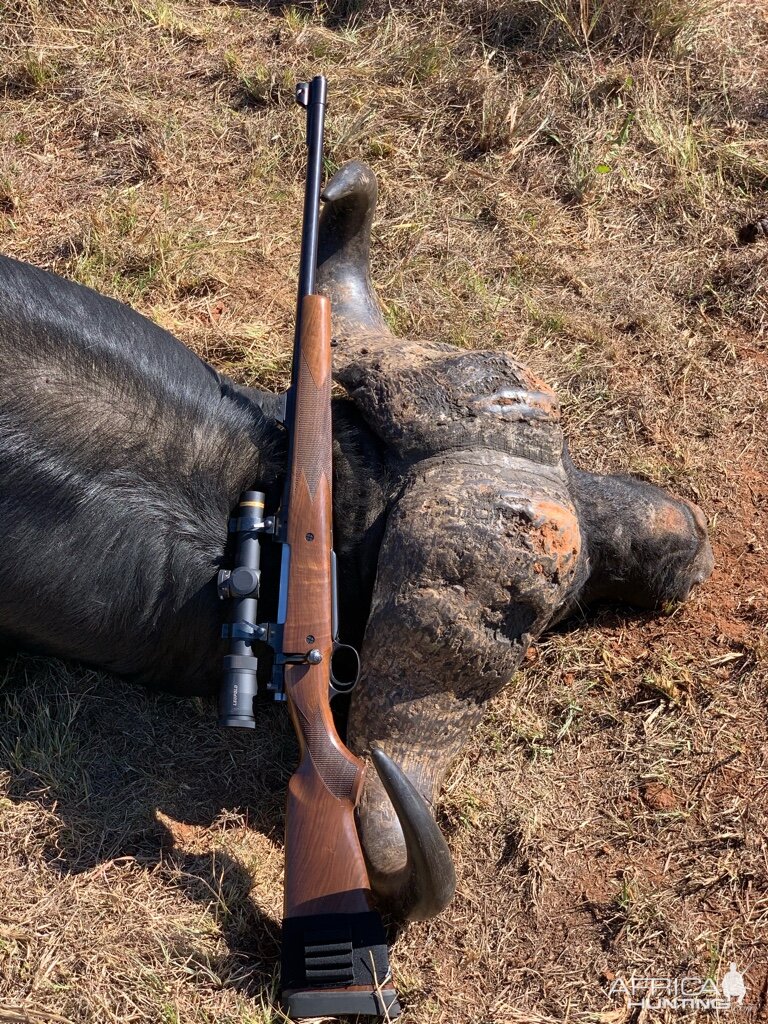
336,964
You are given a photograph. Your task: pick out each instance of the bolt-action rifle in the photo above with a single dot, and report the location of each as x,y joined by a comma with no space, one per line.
334,953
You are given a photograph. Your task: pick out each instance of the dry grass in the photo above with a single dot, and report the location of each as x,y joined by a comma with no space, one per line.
564,179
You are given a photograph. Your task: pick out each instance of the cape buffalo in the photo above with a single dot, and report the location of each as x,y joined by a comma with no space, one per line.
462,528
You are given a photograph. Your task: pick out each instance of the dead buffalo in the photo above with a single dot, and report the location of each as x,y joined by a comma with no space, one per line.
462,528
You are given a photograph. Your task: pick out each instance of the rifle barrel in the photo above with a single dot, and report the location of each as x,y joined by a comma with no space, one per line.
312,96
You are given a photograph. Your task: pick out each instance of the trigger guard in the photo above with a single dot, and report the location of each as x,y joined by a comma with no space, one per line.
352,671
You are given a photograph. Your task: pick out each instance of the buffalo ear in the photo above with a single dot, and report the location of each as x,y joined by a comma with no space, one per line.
646,547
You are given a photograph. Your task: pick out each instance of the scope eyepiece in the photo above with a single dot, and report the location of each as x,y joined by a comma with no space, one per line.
238,690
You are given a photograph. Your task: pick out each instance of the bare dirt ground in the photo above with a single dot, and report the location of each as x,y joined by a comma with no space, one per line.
567,180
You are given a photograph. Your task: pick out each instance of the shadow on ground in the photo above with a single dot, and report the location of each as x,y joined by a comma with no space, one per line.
125,775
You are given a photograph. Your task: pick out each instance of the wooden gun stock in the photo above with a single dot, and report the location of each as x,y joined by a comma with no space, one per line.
334,948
